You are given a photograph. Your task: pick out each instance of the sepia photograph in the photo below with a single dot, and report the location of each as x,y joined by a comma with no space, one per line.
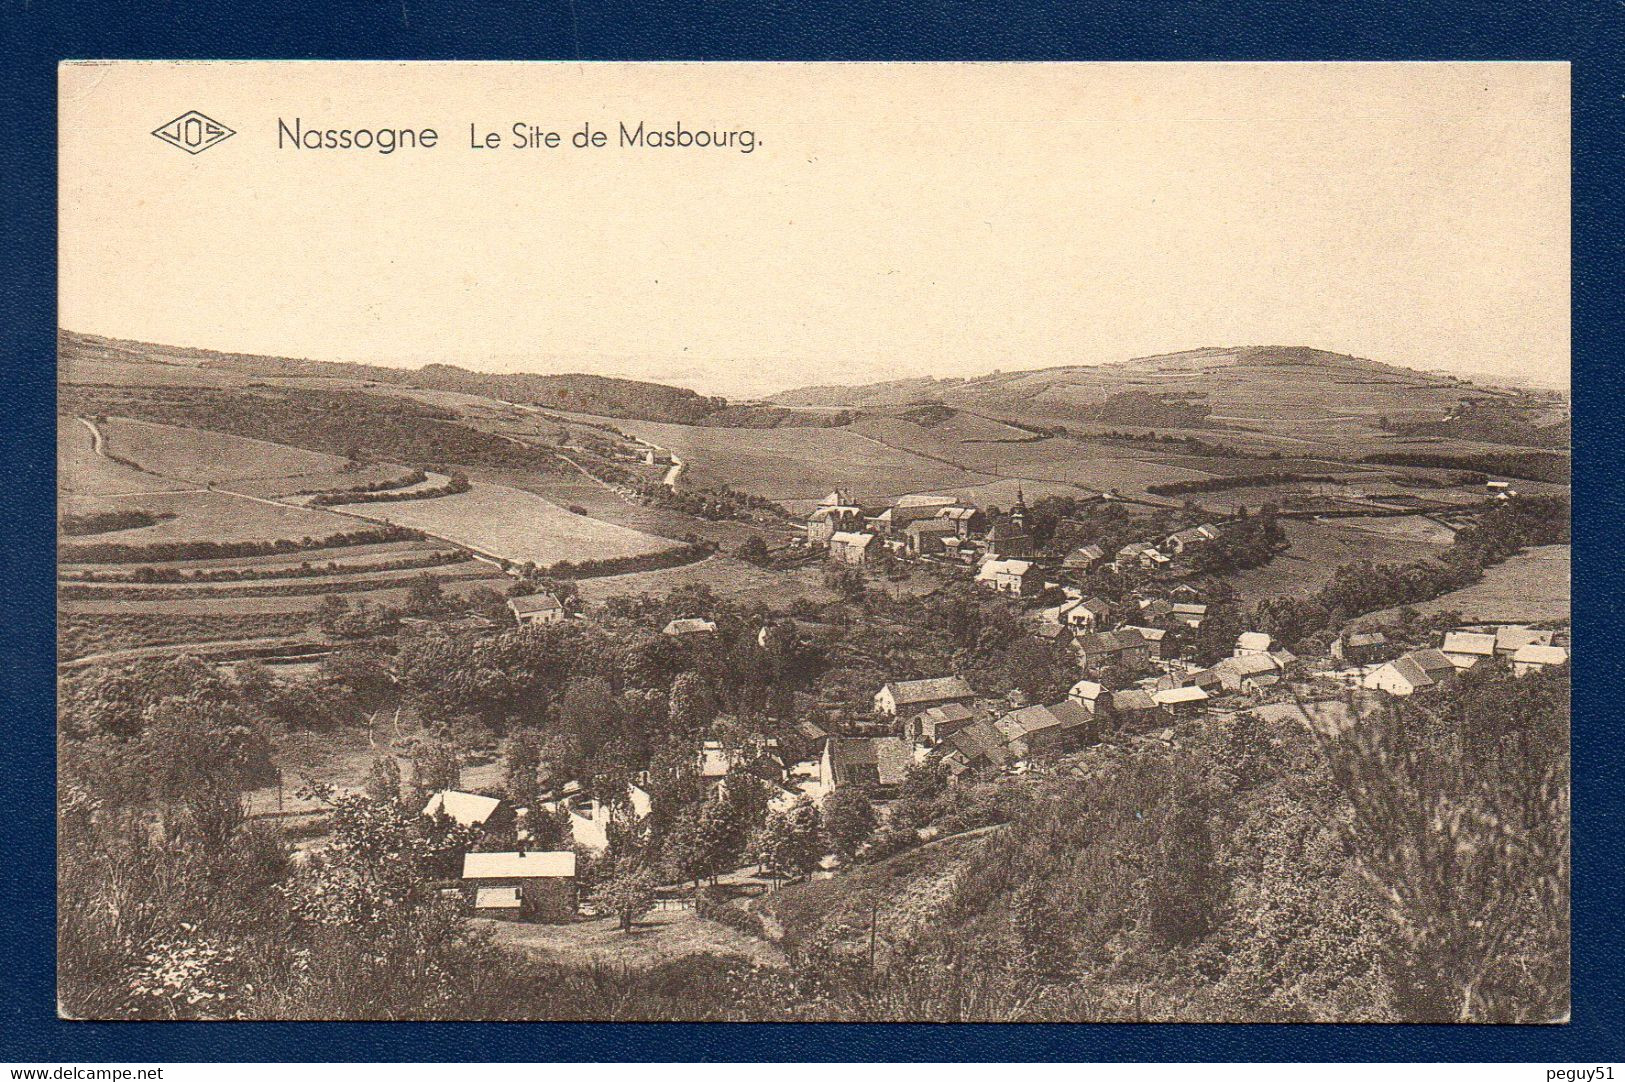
800,542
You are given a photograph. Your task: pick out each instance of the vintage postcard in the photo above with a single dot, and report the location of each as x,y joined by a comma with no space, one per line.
814,542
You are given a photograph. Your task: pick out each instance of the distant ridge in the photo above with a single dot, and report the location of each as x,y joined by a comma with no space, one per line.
602,395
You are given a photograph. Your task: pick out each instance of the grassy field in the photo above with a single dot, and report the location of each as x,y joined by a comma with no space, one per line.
1319,548
118,628
515,525
81,471
190,454
1532,587
213,516
574,489
797,463
722,575
323,481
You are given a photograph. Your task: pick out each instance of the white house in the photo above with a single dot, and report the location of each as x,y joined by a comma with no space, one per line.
1019,577
1087,693
850,548
536,609
906,699
1416,671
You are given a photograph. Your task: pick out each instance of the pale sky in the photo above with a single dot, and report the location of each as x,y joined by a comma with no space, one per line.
895,220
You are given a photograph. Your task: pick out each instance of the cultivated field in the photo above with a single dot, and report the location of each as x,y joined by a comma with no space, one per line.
1531,587
509,524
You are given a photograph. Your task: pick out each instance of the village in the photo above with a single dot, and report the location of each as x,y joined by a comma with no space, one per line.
1145,667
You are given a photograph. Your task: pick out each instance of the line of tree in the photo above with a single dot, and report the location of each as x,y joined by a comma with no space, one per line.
416,477
95,522
1528,465
250,573
1239,480
109,552
455,483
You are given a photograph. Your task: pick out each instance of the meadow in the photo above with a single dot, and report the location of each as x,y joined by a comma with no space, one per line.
191,454
510,524
1531,587
211,516
80,471
1318,549
797,463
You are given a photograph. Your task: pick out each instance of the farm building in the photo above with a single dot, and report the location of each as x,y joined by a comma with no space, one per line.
1534,658
1133,706
935,723
792,630
521,885
1086,558
1129,555
1153,637
1360,647
968,522
687,626
978,745
926,537
1180,702
1019,577
1190,614
1184,540
1509,640
1249,674
907,699
1055,633
864,760
536,609
1034,729
1252,642
1415,671
850,548
590,818
1467,648
1106,648
911,509
830,519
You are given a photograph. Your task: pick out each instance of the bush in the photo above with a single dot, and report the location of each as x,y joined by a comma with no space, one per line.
741,920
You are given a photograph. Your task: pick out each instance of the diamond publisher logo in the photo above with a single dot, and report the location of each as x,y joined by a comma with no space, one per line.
193,132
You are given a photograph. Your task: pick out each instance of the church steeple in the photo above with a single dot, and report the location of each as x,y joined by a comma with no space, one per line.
1018,513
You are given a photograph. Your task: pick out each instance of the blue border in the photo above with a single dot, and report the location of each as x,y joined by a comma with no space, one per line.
39,33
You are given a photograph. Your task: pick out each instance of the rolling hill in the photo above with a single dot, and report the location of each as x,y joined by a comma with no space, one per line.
1289,392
